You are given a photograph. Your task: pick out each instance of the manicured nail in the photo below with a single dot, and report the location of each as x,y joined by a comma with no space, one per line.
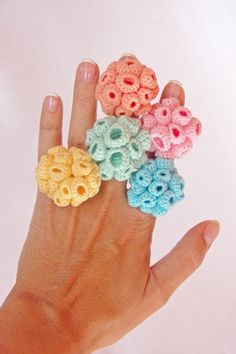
51,101
87,70
125,55
174,89
175,82
211,231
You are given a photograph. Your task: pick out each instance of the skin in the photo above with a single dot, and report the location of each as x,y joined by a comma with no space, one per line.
84,278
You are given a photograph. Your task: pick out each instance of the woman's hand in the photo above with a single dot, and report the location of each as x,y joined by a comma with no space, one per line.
84,278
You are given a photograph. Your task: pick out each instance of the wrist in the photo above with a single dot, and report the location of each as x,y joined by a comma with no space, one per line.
29,325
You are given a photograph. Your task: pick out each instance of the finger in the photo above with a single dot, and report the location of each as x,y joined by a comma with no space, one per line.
117,187
84,103
168,273
174,89
127,55
50,131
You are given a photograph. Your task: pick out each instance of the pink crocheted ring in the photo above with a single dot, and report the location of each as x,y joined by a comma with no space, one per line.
172,128
126,88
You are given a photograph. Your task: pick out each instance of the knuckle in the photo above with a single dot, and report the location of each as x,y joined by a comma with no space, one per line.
195,258
84,97
163,295
77,141
50,125
161,290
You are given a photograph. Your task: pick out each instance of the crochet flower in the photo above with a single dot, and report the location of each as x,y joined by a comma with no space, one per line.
172,128
126,88
118,145
69,177
155,187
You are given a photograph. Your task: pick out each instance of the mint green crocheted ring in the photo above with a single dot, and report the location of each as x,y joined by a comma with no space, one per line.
118,145
155,187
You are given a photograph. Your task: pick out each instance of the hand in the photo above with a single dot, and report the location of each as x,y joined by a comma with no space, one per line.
84,278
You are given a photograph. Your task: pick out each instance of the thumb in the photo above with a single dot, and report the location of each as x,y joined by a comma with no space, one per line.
168,273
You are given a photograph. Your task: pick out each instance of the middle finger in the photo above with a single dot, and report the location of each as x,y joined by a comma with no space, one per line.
84,103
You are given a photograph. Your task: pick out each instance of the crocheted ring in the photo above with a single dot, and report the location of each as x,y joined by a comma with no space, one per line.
118,145
69,177
172,128
126,88
155,187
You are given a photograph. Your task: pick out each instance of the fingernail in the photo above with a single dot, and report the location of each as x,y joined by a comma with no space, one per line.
51,101
211,231
175,82
125,55
174,89
87,70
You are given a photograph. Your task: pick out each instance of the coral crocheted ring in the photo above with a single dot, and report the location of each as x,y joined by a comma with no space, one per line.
126,88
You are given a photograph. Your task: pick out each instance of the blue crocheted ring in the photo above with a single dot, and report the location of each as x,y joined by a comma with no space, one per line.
118,145
155,187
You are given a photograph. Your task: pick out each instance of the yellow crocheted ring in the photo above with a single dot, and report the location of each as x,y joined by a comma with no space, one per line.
69,177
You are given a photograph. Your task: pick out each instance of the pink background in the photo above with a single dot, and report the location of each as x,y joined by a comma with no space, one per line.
41,44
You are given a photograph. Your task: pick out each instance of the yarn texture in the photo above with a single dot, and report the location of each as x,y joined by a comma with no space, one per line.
118,145
69,177
155,187
126,88
172,127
